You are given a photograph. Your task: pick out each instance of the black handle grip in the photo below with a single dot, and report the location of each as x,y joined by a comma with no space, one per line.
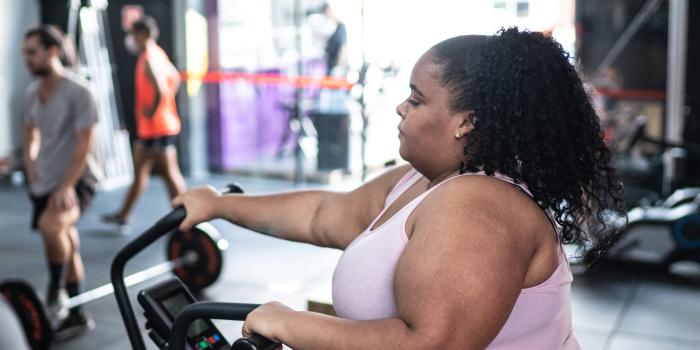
219,311
232,188
254,342
173,219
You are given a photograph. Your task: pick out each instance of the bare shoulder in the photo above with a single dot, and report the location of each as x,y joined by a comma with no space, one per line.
495,204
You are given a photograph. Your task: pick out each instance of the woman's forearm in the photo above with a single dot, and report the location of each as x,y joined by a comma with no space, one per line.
313,331
288,216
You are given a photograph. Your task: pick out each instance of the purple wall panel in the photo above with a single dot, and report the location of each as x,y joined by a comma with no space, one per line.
238,123
247,122
214,134
272,115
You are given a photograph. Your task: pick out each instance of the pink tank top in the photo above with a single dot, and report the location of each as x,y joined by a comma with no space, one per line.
364,278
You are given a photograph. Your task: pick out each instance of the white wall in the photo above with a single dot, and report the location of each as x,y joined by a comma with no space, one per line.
15,18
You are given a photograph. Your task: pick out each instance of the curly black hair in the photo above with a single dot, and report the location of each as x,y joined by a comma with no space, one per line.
534,121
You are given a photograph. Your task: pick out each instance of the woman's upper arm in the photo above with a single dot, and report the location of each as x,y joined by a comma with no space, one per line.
461,272
344,215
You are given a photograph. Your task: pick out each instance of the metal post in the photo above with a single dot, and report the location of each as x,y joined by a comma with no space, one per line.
73,8
675,84
299,174
363,101
195,104
642,17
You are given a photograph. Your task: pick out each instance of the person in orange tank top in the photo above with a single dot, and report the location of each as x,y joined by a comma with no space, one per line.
157,122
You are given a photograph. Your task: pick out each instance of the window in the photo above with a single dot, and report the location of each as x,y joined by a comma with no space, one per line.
522,9
519,8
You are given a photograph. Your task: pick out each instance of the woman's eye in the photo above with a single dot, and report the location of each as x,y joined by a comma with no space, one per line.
413,103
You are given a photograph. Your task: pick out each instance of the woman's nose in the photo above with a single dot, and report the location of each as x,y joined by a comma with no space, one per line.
399,109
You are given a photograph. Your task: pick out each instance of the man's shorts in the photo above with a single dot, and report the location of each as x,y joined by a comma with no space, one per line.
83,191
158,143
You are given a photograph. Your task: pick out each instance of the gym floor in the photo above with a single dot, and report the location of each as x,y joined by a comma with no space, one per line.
612,309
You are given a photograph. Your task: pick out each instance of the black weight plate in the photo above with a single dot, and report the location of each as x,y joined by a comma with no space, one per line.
30,311
204,241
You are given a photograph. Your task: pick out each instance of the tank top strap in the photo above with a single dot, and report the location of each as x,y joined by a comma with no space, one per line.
413,175
402,185
520,186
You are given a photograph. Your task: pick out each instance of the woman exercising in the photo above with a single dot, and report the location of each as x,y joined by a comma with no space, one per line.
462,247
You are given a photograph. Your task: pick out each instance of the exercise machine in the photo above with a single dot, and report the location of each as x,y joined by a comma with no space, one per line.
170,303
660,232
163,306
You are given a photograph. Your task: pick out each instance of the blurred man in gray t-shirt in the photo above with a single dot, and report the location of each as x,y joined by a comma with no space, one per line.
70,108
60,114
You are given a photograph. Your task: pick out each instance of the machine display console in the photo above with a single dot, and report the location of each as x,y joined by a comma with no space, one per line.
161,304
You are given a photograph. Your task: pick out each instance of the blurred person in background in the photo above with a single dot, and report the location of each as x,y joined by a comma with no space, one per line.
60,115
329,35
157,121
336,45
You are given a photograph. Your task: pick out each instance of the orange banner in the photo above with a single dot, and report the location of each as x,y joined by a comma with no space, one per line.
270,79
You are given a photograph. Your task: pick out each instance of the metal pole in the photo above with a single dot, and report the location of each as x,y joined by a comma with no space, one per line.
195,151
299,176
642,16
675,83
135,278
73,8
363,102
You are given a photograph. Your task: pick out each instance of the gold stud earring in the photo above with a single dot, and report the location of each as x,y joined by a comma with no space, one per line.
458,136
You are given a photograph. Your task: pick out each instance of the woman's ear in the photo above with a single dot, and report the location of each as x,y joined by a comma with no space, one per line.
466,125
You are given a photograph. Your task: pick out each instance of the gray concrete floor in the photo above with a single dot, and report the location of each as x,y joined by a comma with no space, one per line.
612,308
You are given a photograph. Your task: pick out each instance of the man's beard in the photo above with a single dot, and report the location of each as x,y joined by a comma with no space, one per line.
40,71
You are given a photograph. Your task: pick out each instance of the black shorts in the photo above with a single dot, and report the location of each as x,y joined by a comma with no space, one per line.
158,143
83,191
